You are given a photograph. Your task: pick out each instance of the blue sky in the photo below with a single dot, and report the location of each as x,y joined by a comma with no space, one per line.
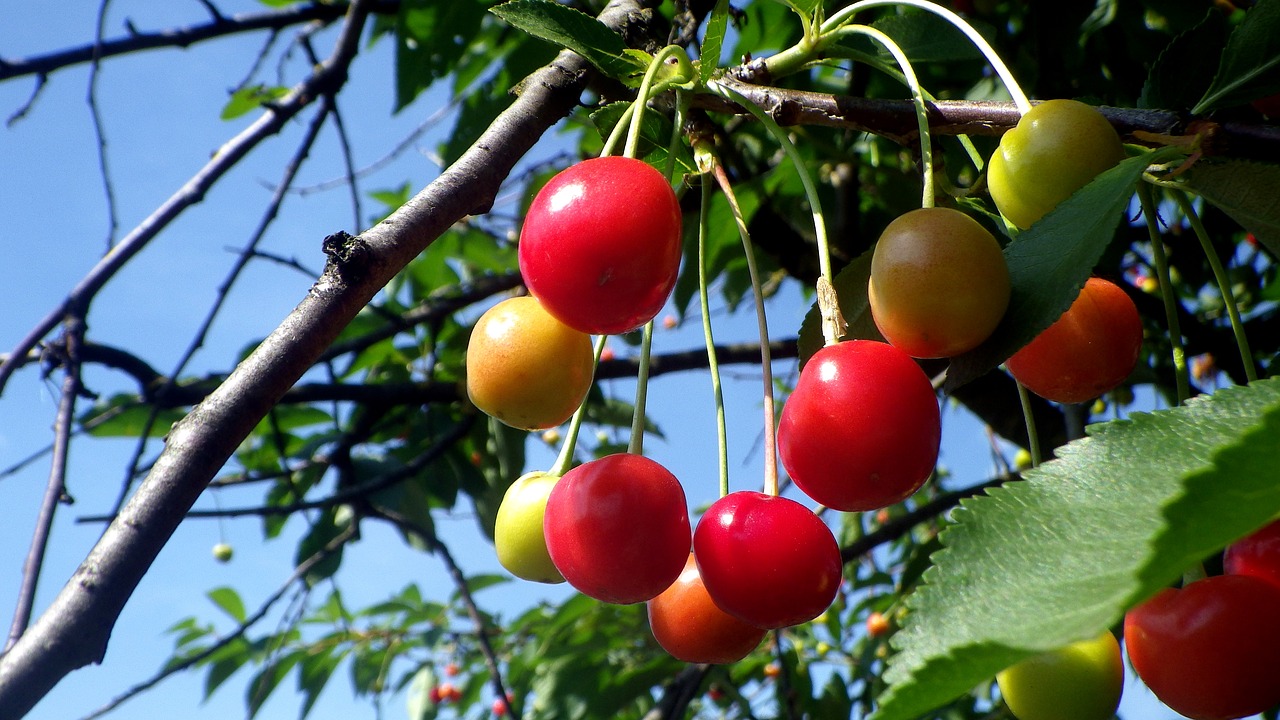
161,113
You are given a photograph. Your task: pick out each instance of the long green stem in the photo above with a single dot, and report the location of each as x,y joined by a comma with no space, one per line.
615,135
636,446
1006,76
1166,292
829,331
1033,436
917,99
713,363
766,361
1224,283
642,98
565,459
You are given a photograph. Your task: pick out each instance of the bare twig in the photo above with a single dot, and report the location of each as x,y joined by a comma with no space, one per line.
55,491
104,169
43,65
328,75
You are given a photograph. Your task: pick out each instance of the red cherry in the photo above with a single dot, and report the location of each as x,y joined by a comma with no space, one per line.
435,695
1208,650
617,528
767,560
1257,555
877,624
1088,351
687,623
861,430
600,246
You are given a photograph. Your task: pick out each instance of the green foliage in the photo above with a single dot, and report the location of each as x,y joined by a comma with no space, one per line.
1049,263
1143,501
577,31
1250,66
247,99
1243,190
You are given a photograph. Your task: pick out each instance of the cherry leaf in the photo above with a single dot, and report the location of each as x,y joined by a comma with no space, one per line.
1035,565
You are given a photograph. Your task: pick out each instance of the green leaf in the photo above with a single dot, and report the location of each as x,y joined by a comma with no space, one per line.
1246,191
228,600
1250,66
926,37
1178,74
806,9
431,37
224,663
713,40
314,673
575,30
329,525
418,699
125,416
1038,564
247,99
266,681
1050,261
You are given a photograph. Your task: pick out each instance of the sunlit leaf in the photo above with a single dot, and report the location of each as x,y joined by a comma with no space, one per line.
573,29
1250,66
1122,514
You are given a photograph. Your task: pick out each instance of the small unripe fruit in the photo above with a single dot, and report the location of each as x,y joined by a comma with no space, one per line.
222,552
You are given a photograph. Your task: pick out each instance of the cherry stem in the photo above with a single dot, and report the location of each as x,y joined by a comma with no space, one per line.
565,459
1033,437
642,97
705,158
1224,282
917,99
615,135
830,330
1166,291
842,17
636,446
770,426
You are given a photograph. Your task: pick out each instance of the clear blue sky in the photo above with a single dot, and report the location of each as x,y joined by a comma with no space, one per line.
161,122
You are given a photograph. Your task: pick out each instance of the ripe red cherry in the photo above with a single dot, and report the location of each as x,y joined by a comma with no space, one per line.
687,623
1088,351
861,430
767,560
600,246
617,528
1257,555
1208,650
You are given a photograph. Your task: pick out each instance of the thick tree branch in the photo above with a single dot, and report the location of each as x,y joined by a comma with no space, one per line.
75,629
896,119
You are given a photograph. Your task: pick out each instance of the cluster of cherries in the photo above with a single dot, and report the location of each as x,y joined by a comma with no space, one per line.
600,251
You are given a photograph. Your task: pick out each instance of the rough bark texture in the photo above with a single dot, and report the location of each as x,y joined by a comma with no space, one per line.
74,631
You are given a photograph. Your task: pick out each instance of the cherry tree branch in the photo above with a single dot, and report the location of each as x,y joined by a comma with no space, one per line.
328,75
74,630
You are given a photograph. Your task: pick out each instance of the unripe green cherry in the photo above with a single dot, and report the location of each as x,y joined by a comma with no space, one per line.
517,533
1055,149
1081,681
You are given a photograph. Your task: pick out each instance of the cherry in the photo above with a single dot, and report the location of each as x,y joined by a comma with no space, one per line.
617,528
939,283
1088,351
877,624
1208,650
767,560
1055,149
1082,681
862,428
600,246
518,529
1257,555
527,368
690,627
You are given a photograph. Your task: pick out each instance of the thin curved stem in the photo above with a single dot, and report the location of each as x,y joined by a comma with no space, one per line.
1161,260
1006,75
713,364
917,99
1224,283
1033,436
636,446
565,459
